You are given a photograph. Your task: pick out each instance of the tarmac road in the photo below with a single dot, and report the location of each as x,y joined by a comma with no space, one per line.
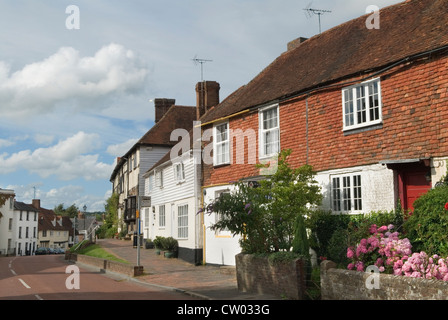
46,277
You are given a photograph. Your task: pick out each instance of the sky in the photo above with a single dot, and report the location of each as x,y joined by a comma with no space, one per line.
78,78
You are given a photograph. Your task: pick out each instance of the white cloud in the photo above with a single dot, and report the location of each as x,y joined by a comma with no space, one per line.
67,79
120,149
67,160
43,138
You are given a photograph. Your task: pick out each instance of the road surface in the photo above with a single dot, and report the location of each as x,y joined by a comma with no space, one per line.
46,277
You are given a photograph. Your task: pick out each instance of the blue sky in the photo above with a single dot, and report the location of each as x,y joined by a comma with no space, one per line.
72,100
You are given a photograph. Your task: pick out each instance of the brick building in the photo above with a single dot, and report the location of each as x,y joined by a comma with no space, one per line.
367,108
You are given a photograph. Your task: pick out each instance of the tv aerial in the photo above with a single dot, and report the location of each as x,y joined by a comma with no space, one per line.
197,61
310,11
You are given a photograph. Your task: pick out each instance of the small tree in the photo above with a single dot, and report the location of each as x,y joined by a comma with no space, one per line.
265,216
110,225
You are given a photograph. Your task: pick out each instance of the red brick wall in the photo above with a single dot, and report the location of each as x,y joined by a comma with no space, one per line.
415,125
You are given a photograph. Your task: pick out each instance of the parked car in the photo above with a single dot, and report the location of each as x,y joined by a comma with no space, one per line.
51,251
41,250
59,251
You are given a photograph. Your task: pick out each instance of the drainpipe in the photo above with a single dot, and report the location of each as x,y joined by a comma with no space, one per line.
306,133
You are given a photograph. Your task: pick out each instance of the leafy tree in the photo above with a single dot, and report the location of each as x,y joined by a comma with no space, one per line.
71,211
265,215
110,225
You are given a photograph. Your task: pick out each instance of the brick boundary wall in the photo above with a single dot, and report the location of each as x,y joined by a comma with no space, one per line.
106,265
340,284
257,275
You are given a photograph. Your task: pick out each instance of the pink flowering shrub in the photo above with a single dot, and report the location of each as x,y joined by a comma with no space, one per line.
384,249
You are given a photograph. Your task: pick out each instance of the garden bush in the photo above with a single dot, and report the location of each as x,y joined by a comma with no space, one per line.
264,216
427,225
385,249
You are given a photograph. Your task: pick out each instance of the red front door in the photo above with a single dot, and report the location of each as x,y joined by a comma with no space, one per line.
414,185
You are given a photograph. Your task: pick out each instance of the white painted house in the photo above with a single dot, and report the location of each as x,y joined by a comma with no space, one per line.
7,246
174,188
25,228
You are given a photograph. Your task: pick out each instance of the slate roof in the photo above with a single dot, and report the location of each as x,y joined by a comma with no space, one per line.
24,207
347,50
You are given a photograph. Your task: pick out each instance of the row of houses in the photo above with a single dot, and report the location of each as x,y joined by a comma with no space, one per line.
366,107
26,227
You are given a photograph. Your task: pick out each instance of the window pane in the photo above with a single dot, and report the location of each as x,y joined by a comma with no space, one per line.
348,111
361,105
270,119
346,195
357,192
336,195
271,142
374,104
182,221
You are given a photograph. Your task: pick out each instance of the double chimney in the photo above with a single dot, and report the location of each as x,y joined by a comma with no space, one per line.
207,96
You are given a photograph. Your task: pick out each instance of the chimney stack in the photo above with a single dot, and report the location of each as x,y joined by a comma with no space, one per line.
36,203
295,43
161,106
207,96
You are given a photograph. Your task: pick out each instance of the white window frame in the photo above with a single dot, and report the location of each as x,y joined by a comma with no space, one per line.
217,161
162,216
262,131
182,221
179,172
346,192
360,107
150,183
159,178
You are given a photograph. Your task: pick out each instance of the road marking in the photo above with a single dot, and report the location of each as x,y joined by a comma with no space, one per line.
24,283
38,297
13,272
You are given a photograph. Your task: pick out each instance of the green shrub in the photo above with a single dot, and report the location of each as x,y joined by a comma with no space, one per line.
427,226
322,225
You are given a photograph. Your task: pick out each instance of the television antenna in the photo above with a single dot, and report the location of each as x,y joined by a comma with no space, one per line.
197,61
310,11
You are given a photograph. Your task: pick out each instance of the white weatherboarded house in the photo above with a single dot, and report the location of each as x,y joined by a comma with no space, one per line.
174,188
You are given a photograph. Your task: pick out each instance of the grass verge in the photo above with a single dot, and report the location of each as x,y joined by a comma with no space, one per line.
95,250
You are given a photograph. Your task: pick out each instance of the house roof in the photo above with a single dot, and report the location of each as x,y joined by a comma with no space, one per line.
24,207
51,221
177,117
350,49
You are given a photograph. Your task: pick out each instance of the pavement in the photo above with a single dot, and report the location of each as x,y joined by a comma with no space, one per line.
207,282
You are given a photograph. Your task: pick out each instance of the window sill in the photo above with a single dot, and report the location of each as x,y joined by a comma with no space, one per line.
359,129
216,166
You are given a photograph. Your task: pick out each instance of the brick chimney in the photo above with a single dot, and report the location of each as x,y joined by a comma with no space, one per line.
207,96
161,106
36,203
295,43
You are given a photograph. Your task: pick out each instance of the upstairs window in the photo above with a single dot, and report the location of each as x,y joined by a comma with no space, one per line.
269,131
179,172
221,145
362,105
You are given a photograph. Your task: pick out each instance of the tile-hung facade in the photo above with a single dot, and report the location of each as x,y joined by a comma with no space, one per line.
367,108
